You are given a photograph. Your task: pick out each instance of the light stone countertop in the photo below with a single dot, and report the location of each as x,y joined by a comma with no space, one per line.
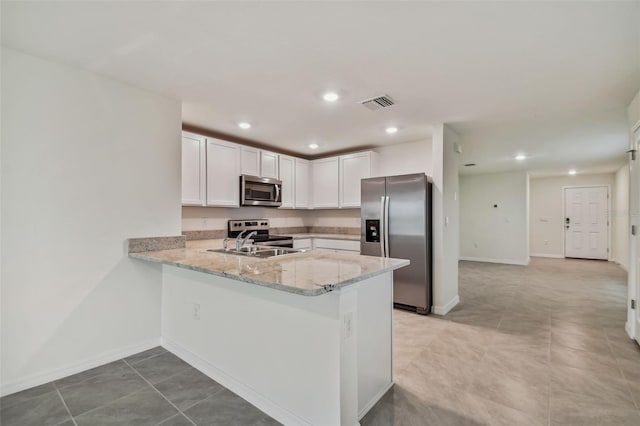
310,273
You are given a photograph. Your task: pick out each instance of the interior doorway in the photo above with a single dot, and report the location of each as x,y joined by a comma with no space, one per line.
586,222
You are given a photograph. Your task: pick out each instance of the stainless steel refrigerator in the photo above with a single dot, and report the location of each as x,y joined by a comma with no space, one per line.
396,222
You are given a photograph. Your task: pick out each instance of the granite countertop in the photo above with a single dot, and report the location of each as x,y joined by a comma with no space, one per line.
309,273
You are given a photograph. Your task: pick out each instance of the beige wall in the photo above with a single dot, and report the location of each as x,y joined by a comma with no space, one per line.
207,218
494,234
546,210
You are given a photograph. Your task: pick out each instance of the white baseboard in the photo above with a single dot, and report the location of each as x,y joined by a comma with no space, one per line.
274,410
37,379
444,310
627,328
374,401
620,265
552,256
524,262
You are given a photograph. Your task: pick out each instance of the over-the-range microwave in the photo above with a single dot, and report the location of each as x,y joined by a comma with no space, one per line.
257,191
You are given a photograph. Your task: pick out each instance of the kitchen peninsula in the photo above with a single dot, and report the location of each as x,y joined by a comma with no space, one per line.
306,337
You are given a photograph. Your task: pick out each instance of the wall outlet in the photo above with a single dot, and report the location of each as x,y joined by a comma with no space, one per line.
546,242
196,311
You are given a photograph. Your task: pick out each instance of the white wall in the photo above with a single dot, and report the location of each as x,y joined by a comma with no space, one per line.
633,112
620,216
445,219
494,234
87,162
405,158
547,220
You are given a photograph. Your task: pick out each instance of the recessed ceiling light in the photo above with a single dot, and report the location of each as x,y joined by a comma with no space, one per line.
391,130
521,157
331,96
244,125
572,172
313,145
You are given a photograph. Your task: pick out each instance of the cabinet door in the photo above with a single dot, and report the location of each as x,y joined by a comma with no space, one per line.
194,173
302,187
269,165
353,168
302,244
338,245
250,161
325,182
287,176
223,173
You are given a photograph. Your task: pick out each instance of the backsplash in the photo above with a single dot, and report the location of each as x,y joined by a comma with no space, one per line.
211,222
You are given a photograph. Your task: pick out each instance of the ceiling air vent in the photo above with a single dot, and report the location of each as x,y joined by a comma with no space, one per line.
378,102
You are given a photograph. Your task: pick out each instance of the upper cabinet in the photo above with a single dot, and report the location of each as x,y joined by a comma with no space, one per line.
269,165
211,170
250,161
223,173
325,182
287,176
256,162
194,173
302,185
353,168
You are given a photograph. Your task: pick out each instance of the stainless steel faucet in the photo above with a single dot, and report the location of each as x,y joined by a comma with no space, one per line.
240,241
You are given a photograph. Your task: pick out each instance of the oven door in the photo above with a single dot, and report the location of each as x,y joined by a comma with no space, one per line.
256,191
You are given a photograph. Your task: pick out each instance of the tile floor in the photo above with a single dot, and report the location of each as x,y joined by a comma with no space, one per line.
536,345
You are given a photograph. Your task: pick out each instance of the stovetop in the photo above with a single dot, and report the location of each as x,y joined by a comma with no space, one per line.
260,226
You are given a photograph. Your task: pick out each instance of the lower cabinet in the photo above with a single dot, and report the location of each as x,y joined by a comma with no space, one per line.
327,244
304,244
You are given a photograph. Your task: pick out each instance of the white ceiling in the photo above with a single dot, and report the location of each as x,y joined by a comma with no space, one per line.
551,80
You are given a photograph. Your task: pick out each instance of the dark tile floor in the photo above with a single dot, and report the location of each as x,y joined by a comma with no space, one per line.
537,345
150,388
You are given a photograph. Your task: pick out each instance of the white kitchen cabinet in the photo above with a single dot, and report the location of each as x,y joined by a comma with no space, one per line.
194,172
302,186
336,245
304,243
353,168
250,161
325,181
269,165
223,173
287,176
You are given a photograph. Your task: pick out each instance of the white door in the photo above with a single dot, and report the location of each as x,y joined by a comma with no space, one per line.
586,222
634,201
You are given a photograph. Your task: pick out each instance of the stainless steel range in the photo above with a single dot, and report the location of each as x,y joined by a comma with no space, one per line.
261,229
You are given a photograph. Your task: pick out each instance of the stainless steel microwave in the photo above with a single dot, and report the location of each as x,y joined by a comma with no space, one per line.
257,191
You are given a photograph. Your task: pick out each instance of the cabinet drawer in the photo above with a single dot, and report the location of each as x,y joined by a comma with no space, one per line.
302,244
346,245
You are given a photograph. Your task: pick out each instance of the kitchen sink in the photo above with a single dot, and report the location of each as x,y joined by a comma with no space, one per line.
260,252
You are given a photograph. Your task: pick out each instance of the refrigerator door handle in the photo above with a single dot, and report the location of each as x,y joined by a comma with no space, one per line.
383,226
386,226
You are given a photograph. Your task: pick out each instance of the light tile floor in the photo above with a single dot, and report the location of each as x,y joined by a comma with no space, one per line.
536,345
